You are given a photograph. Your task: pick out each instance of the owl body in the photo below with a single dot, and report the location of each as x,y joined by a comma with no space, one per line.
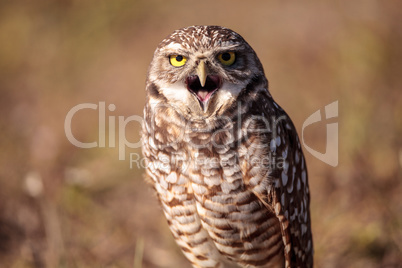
223,157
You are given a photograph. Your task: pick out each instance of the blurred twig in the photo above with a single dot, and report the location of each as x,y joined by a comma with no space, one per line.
34,187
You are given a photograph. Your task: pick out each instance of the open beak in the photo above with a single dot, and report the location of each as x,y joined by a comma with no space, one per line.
203,84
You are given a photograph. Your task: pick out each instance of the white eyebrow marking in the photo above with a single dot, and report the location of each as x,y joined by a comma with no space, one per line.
175,46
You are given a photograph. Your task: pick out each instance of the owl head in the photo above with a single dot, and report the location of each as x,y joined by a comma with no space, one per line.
202,70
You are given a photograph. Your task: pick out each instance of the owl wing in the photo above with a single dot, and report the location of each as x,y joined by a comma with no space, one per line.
288,193
291,198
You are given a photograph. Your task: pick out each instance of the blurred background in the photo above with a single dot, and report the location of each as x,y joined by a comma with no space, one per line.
65,206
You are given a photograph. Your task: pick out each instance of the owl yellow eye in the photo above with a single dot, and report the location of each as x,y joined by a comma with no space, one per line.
177,60
227,58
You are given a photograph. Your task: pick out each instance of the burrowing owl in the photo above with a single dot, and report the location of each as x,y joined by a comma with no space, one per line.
223,157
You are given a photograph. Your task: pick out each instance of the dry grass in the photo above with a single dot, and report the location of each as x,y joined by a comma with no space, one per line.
63,206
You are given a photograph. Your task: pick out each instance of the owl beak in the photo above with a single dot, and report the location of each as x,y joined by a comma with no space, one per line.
203,85
202,73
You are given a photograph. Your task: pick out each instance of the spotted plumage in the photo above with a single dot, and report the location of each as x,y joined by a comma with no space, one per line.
223,156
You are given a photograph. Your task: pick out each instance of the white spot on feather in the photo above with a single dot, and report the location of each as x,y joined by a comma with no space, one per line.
284,178
172,177
278,141
272,145
303,175
303,229
297,158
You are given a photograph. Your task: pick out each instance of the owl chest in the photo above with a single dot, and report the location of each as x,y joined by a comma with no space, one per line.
207,195
235,220
211,168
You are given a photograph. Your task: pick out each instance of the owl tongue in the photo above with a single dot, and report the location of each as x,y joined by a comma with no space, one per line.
203,94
